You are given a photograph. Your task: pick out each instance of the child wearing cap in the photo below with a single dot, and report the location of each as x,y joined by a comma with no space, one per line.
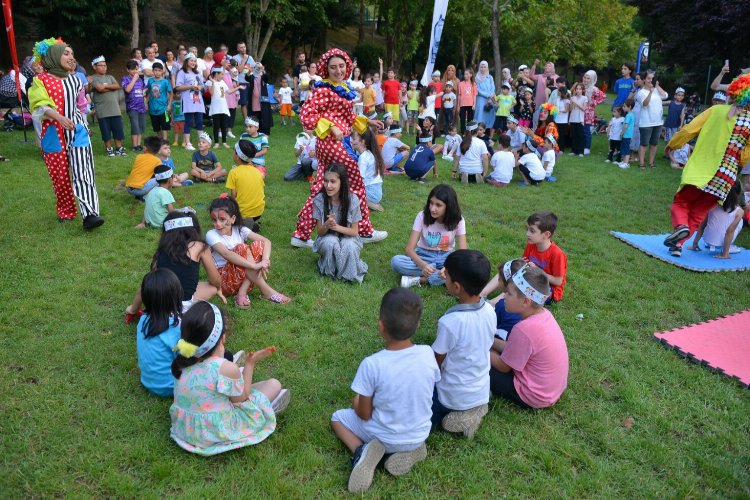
675,114
206,166
531,367
259,140
394,151
421,159
106,97
505,103
159,201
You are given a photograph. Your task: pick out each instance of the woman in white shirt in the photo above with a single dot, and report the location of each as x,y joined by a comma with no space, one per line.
472,157
652,117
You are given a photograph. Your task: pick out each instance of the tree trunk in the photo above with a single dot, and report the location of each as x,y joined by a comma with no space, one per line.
389,52
266,39
149,22
247,22
496,45
463,51
135,23
475,51
361,30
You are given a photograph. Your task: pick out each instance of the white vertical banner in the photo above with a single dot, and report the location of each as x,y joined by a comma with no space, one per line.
438,20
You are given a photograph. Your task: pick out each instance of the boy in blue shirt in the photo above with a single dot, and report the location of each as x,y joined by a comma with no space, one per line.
159,94
421,160
624,85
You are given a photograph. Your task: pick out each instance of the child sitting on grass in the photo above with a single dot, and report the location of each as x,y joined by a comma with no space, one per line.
165,155
502,163
240,265
531,367
216,406
141,179
451,144
517,137
543,253
206,166
159,200
259,140
247,185
437,230
529,164
506,320
549,158
371,166
462,347
387,416
722,225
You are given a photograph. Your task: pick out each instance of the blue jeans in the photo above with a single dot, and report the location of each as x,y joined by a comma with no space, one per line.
403,264
587,136
140,193
438,410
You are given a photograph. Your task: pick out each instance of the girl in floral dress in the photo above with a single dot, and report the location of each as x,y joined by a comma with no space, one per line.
217,407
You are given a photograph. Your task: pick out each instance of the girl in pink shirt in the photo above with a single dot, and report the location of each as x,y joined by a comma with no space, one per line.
467,96
530,368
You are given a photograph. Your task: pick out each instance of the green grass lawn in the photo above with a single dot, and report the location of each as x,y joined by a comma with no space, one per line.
76,421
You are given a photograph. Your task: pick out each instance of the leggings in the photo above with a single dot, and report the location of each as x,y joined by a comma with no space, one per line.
220,124
191,118
563,141
331,151
464,114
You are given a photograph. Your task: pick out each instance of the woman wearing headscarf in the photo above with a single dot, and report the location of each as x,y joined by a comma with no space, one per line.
507,79
595,97
66,147
259,102
329,112
485,94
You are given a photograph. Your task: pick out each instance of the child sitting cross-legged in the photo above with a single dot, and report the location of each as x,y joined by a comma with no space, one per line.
530,165
165,155
206,165
247,185
531,367
141,179
388,416
462,348
159,200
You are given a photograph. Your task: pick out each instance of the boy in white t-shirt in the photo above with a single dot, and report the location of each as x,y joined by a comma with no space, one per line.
394,151
392,408
529,165
464,336
502,163
284,94
549,157
452,143
614,132
517,138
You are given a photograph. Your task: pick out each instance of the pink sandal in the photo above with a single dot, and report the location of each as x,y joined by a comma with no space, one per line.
242,301
278,298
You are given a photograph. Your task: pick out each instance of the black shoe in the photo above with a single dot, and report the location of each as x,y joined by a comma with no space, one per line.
675,251
92,222
680,233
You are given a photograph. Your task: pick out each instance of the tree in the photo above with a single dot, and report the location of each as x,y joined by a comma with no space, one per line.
497,7
135,31
402,20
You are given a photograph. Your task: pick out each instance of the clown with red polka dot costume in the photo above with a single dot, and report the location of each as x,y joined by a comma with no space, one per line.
65,142
329,111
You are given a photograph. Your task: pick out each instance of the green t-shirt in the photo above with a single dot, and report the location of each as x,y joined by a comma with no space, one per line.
504,104
105,103
413,103
156,206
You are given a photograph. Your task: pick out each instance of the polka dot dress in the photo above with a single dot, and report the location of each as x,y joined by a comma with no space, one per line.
325,103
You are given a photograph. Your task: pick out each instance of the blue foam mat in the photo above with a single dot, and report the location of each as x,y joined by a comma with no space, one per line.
703,261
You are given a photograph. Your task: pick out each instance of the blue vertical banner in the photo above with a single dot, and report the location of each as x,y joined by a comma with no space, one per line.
438,20
642,56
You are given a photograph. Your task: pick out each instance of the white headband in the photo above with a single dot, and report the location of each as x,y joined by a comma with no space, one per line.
178,223
551,139
302,139
513,119
394,131
525,287
507,273
238,151
97,60
250,121
188,350
472,127
164,175
387,115
426,139
531,147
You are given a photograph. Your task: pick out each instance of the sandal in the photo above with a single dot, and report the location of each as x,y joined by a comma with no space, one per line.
642,167
278,298
242,301
652,166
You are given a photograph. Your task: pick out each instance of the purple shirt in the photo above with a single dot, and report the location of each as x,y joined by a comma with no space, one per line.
192,101
134,99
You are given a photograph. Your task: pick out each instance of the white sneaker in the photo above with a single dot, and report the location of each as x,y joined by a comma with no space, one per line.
409,281
586,151
281,401
580,156
623,165
447,158
189,147
230,135
607,160
375,236
296,242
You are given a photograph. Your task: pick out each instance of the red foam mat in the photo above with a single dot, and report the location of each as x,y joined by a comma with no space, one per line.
722,344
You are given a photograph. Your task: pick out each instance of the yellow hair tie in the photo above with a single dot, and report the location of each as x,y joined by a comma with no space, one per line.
186,349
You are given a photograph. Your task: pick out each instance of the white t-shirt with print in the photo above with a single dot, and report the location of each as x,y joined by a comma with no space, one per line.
286,95
436,236
502,163
401,412
465,334
219,104
562,115
615,128
229,241
471,161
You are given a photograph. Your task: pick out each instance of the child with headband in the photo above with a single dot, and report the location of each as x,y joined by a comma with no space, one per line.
531,367
159,200
217,407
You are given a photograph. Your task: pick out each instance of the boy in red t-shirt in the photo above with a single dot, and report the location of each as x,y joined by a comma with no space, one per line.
392,94
541,252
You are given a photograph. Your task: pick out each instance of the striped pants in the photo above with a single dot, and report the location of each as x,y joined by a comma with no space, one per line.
331,151
80,163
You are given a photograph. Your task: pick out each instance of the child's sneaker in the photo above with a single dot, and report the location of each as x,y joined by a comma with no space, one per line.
110,152
281,401
121,151
399,464
409,281
174,143
623,165
366,458
375,237
447,158
230,134
189,147
466,422
607,161
675,251
680,233
299,243
550,178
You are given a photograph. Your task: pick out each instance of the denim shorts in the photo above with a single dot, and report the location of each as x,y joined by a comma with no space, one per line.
650,135
625,147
